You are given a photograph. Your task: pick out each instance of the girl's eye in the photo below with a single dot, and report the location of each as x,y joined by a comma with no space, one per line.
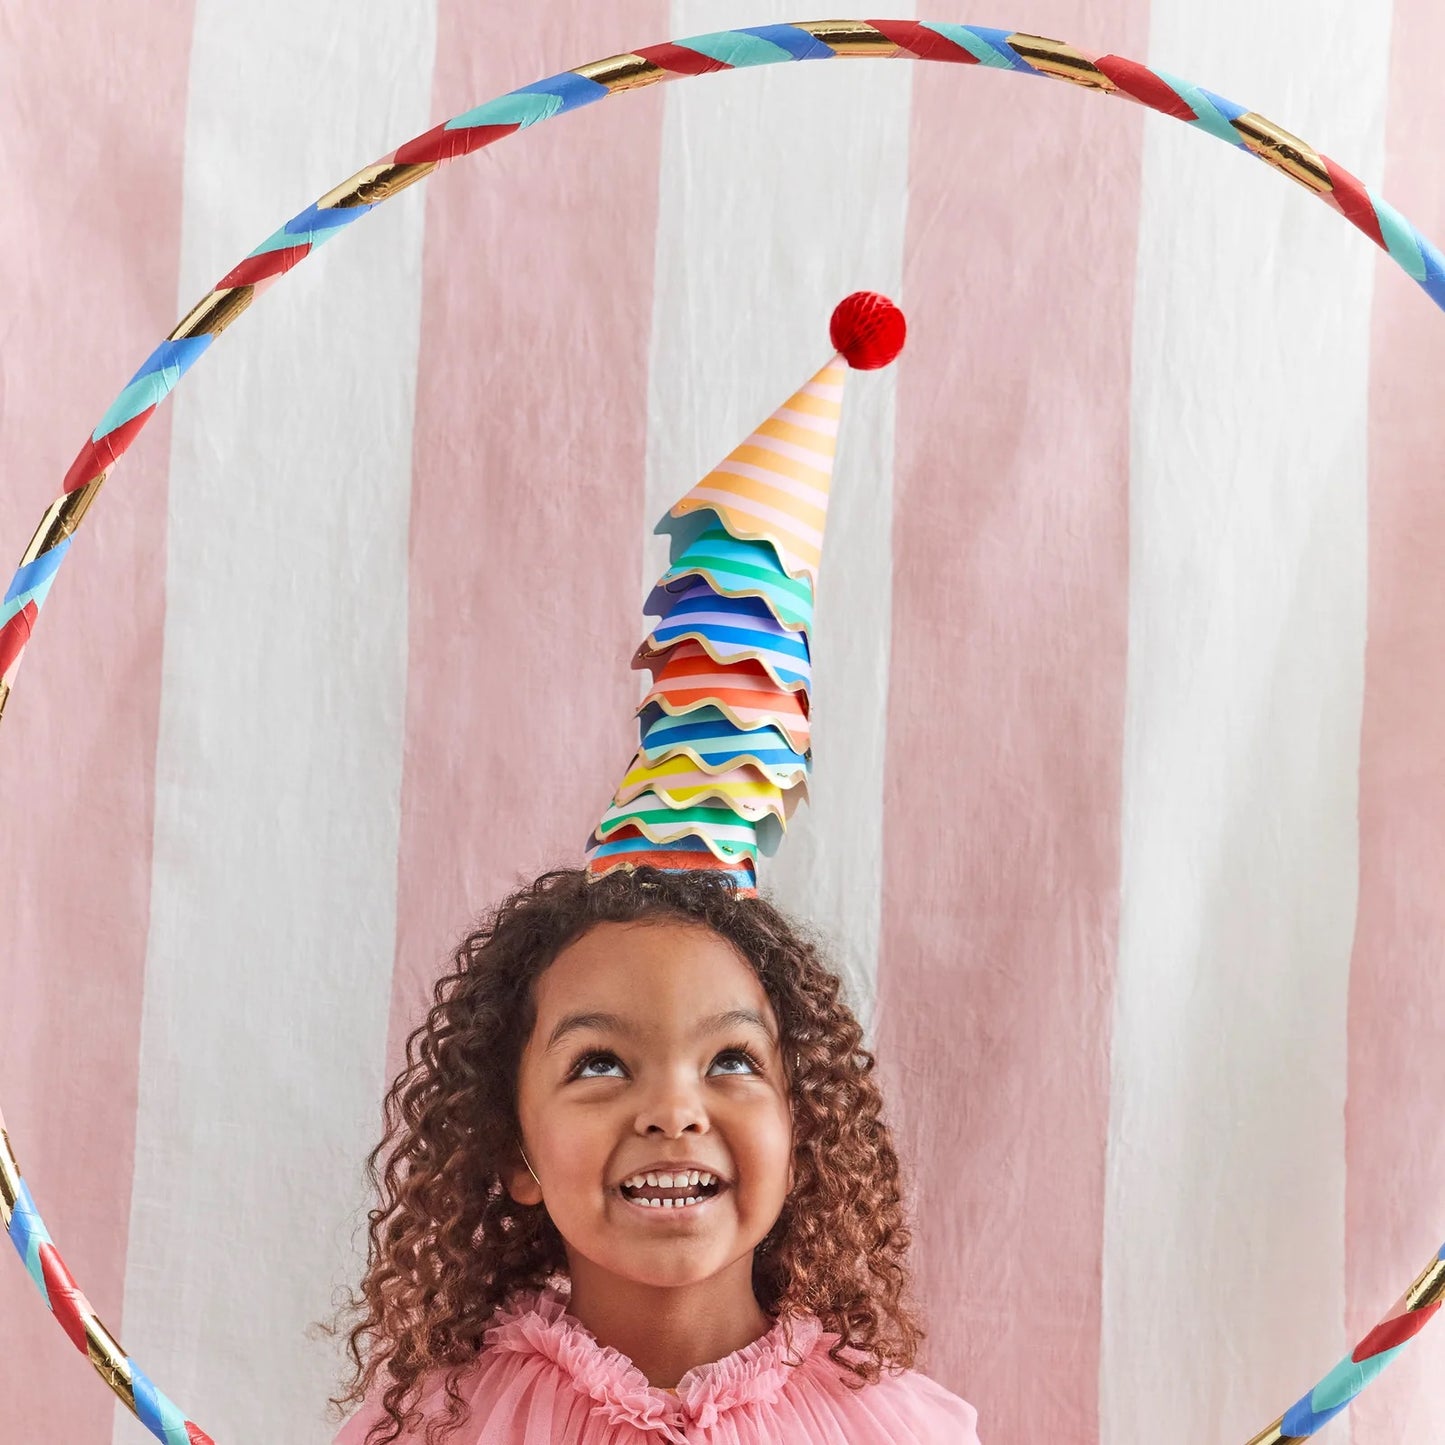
739,1055
584,1067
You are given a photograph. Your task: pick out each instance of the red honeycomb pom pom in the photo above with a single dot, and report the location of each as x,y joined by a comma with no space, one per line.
868,329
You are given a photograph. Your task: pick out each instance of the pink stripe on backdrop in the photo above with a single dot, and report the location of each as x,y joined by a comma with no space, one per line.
90,241
531,429
1395,1192
1005,721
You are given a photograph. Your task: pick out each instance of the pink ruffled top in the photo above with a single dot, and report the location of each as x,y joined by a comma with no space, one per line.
543,1378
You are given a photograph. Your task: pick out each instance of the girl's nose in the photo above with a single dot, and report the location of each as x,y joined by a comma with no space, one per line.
672,1108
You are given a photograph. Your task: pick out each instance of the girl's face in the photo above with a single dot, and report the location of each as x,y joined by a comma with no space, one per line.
655,1051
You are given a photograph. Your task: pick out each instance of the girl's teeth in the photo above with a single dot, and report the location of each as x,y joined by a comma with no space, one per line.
684,1179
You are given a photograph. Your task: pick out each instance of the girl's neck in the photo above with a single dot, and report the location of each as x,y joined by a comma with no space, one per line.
668,1330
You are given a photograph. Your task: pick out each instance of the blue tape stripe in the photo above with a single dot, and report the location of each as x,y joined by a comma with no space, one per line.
988,47
27,1233
1227,108
315,219
1301,1420
739,48
1434,282
573,90
179,355
155,1411
41,569
798,44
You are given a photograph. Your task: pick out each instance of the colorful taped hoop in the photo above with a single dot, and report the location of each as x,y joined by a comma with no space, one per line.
369,187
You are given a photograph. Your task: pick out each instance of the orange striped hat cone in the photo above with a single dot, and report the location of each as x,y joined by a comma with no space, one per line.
723,757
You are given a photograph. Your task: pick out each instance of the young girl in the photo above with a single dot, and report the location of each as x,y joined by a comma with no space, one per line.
636,1190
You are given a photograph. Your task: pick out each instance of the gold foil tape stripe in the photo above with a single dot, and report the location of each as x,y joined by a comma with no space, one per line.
1274,1435
4,698
1287,153
214,313
1061,61
852,39
1429,1288
61,519
9,1164
623,72
104,1352
374,184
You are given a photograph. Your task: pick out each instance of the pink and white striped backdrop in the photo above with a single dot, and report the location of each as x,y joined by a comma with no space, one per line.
1129,807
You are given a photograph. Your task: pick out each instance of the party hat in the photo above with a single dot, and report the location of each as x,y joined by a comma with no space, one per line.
724,752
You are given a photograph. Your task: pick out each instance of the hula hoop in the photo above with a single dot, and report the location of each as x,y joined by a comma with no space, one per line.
491,122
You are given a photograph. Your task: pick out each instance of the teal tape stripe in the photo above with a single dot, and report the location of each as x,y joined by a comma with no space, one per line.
36,594
520,108
278,241
145,392
1211,119
977,46
1400,240
1347,1379
737,49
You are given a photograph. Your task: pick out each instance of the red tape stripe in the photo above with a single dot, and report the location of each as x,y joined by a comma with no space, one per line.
440,144
1140,83
255,269
917,39
15,634
679,60
66,1300
1388,1335
1354,201
97,457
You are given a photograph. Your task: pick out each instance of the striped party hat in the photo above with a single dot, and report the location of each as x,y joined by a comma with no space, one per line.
724,752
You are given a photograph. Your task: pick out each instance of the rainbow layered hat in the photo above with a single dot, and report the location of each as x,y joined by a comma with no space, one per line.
724,751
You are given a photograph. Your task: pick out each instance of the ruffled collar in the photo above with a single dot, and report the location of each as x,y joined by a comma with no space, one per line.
537,1322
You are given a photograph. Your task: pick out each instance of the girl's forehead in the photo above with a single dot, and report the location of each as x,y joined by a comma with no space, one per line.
661,970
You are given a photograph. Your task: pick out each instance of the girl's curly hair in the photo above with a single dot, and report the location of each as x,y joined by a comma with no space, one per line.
447,1243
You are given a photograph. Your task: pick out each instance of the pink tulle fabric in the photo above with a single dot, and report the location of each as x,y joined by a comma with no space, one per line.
543,1378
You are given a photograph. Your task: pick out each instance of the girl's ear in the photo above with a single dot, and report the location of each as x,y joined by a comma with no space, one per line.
521,1184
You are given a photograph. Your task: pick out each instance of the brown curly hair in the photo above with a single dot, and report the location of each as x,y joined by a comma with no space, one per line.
448,1244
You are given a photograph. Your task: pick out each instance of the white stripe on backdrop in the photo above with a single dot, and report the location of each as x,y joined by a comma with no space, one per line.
278,768
336,788
781,193
1246,674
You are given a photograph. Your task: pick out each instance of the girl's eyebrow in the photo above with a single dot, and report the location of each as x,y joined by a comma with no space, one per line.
615,1023
735,1018
571,1023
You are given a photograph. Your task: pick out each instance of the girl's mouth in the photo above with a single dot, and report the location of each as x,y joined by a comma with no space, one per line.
680,1192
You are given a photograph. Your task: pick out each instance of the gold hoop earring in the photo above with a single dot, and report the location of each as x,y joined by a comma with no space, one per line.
528,1163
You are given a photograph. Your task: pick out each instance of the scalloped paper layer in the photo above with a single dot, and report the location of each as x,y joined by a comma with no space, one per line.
680,783
729,629
735,569
727,835
743,692
632,850
715,745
